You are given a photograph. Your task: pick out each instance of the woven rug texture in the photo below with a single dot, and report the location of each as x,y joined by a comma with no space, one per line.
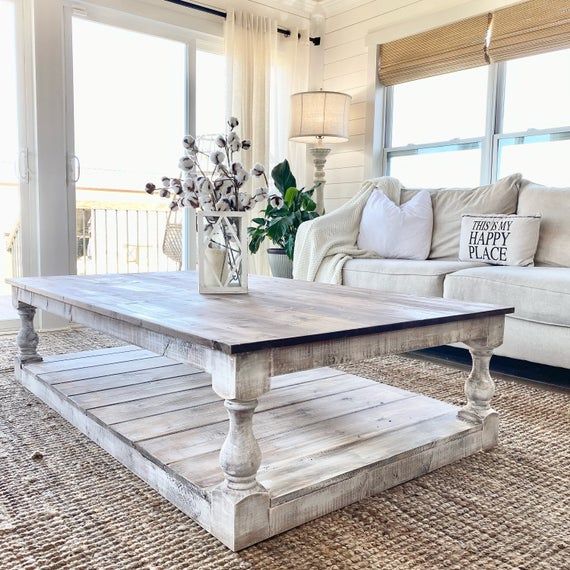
65,503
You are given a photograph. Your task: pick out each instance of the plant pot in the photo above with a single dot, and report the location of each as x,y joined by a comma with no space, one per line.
281,265
222,252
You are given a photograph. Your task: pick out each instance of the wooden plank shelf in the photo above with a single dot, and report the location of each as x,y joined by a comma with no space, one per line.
327,438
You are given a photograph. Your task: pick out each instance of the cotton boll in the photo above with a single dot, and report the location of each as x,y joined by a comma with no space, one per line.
186,163
275,200
220,141
233,122
188,141
233,141
258,169
217,157
165,181
205,199
224,185
231,198
259,194
246,144
173,206
164,193
245,201
150,188
205,185
242,177
191,199
222,205
189,184
237,167
176,186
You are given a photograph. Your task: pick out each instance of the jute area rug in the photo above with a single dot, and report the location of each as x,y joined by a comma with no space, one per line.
65,503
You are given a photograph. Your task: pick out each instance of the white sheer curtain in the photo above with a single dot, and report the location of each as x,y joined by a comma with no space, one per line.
290,74
264,68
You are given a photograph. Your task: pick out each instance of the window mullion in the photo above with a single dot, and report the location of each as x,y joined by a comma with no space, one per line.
388,119
490,125
497,123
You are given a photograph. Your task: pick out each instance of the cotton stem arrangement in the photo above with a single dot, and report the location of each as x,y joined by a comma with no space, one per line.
222,190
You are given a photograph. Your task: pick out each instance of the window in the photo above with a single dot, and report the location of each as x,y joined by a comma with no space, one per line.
480,124
438,128
535,133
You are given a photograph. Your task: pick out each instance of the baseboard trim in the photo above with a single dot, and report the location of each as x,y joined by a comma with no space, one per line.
540,373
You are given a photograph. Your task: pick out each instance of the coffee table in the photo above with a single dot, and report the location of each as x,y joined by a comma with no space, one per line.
297,439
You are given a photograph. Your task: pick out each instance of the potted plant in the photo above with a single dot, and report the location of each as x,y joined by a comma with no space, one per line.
286,210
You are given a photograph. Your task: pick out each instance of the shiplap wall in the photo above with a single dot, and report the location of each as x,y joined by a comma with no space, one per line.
347,68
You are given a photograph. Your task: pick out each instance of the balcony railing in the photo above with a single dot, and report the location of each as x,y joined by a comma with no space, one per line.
126,241
119,241
14,249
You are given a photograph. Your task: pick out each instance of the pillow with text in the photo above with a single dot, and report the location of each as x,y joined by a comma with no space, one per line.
499,239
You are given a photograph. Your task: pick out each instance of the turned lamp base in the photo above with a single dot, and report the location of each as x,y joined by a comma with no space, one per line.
319,154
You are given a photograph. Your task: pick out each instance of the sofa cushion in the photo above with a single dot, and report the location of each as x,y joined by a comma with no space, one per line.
396,232
423,278
553,204
449,204
540,294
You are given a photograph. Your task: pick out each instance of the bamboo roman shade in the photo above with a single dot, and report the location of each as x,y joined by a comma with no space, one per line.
530,28
527,28
450,48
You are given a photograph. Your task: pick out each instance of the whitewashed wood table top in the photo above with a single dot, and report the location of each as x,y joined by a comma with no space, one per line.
275,312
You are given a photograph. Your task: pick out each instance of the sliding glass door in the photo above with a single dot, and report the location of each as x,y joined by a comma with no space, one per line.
130,113
13,159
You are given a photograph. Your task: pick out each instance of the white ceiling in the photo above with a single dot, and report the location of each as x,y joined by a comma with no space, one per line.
327,8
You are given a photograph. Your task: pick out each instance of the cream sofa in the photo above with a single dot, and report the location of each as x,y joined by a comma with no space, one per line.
539,330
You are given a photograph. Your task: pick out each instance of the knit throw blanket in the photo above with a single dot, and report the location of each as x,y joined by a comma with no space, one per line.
325,244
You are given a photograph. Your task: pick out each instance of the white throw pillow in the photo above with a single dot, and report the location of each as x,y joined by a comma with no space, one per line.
397,232
499,239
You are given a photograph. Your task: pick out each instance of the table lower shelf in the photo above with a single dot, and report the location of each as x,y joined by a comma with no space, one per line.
328,438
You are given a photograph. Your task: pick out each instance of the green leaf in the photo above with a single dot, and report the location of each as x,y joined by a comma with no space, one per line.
289,246
290,195
283,177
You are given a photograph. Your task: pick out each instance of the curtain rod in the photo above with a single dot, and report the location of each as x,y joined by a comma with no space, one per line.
220,13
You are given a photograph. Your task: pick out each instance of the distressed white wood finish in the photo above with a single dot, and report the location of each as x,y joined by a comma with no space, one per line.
258,483
27,339
327,439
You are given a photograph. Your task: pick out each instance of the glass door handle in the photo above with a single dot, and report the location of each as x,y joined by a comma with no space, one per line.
22,166
76,168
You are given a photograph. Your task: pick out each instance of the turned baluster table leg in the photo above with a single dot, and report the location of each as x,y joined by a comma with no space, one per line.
27,339
240,504
479,389
240,456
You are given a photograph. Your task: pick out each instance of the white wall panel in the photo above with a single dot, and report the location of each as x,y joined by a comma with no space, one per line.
349,66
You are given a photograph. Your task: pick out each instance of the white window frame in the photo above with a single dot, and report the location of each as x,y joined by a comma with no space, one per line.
489,141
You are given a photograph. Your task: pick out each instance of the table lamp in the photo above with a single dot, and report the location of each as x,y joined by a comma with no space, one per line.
319,117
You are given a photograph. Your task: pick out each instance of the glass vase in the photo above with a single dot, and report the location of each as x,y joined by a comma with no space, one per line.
222,252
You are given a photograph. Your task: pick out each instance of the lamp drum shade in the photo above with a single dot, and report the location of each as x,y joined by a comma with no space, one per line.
321,114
